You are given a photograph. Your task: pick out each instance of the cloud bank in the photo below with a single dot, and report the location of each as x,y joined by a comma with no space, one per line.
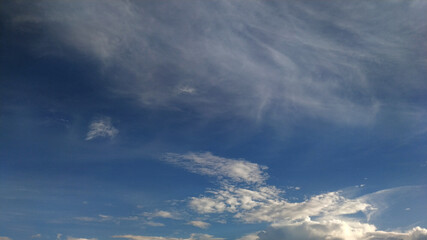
323,216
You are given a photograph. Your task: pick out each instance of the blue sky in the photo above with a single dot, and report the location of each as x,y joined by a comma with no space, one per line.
207,120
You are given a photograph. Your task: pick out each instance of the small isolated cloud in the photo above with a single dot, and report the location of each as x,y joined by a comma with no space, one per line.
101,127
194,236
99,218
5,238
58,236
187,90
237,170
73,238
36,236
199,224
155,224
161,214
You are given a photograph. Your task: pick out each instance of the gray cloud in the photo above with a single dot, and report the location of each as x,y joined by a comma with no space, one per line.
260,60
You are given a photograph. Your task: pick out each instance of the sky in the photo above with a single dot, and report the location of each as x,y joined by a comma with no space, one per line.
212,120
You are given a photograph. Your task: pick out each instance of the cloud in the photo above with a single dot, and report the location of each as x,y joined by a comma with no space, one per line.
38,235
161,214
265,204
193,236
329,215
72,238
199,224
101,127
256,60
336,229
5,238
237,170
99,218
252,236
155,224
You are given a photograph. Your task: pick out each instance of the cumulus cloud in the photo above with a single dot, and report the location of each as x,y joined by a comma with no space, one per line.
257,60
193,236
199,224
329,215
237,170
336,229
101,127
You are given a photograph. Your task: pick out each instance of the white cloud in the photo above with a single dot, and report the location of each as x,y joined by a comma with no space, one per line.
73,238
38,235
250,59
336,229
101,127
237,170
323,216
5,238
193,236
155,224
161,214
251,236
199,224
58,236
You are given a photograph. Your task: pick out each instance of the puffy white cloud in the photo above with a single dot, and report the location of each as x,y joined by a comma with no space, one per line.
199,224
101,127
324,216
237,170
336,229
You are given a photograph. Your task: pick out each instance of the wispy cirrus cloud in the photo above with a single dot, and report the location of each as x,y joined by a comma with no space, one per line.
101,127
237,170
256,60
193,236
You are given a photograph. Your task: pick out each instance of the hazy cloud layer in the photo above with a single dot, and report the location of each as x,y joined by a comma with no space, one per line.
271,60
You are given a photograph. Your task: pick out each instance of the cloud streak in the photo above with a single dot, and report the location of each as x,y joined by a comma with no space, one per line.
236,170
257,60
